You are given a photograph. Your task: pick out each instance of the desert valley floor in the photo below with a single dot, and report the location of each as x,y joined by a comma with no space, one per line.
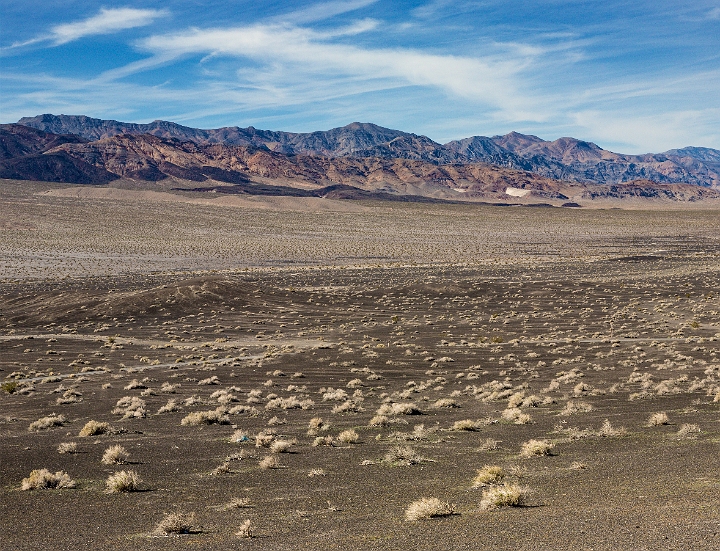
316,366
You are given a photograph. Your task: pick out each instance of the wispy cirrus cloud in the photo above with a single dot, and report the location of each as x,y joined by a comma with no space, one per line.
285,54
106,21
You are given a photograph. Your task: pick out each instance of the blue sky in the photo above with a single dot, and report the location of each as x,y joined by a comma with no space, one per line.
633,77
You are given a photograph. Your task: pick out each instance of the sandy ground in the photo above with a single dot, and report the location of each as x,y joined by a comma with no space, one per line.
563,326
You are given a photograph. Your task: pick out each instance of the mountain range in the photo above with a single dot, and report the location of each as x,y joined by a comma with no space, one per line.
362,157
564,159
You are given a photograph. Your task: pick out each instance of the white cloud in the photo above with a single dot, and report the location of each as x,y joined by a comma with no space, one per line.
322,10
713,14
649,133
287,54
107,21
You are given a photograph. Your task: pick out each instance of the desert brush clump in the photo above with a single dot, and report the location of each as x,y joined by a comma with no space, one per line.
576,406
349,436
47,422
282,446
607,430
114,455
317,425
42,479
489,474
212,417
467,425
533,448
688,430
402,456
122,481
394,409
269,462
246,530
657,419
94,428
503,495
130,407
175,523
428,507
67,447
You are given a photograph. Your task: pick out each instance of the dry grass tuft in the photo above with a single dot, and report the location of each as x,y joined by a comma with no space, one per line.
403,456
657,419
47,422
122,481
467,424
489,474
399,409
175,523
246,530
212,417
282,446
42,479
94,428
114,455
378,421
489,444
607,430
428,507
576,406
269,462
688,430
67,447
349,436
533,448
504,495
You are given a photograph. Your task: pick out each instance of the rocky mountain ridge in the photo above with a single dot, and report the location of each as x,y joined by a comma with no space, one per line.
565,158
256,170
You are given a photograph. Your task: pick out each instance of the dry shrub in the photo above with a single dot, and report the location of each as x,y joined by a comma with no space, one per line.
122,481
489,474
533,448
516,416
67,447
657,419
428,507
323,441
282,446
402,455
688,430
607,430
175,523
399,409
269,462
503,495
94,428
467,424
576,406
134,384
489,444
446,403
246,530
378,421
348,406
212,417
265,438
130,407
349,436
171,406
316,472
210,381
42,479
47,422
316,425
336,394
114,455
